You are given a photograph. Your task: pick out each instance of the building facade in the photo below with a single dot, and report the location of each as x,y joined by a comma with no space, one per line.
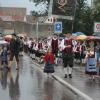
13,13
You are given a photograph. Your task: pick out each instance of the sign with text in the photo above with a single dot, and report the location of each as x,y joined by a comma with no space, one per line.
97,27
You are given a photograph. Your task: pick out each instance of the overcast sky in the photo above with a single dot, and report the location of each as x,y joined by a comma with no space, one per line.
22,3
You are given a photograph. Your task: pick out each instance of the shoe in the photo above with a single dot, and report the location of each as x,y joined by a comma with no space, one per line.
17,68
1,68
65,76
70,75
8,68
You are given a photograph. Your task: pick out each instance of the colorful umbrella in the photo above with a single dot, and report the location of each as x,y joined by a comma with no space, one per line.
8,38
93,38
78,33
3,42
81,37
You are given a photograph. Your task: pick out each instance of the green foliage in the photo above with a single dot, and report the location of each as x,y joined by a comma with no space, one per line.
96,10
43,11
83,18
39,1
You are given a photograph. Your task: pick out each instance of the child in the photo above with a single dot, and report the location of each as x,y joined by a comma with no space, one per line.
49,62
4,57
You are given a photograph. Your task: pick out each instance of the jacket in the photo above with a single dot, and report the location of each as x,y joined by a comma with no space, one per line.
49,57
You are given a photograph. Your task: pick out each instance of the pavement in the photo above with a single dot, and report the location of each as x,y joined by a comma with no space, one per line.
81,84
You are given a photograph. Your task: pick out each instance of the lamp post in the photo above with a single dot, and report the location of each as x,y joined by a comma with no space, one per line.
37,29
74,16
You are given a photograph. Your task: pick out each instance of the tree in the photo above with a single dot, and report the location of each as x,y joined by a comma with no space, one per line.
83,20
43,4
96,10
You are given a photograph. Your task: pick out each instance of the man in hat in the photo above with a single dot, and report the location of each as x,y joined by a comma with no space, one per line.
14,50
67,54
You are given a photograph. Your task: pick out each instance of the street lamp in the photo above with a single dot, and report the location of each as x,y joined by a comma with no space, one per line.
37,29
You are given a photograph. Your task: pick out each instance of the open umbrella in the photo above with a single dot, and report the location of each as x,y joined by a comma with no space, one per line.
93,37
8,38
3,42
81,37
79,33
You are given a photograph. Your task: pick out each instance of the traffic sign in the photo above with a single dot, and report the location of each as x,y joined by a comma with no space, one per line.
97,27
58,27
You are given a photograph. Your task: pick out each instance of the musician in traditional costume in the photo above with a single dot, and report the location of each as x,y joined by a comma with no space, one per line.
77,52
39,52
54,46
67,55
82,52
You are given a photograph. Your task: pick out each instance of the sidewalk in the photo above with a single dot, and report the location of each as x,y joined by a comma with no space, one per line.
80,83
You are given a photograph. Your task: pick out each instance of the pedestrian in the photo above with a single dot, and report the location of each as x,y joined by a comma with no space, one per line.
21,46
49,62
91,69
97,50
55,47
4,57
67,55
14,50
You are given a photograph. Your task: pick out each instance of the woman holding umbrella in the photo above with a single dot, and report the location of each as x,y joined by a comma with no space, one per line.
91,61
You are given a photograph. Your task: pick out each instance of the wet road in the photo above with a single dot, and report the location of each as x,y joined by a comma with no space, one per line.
29,83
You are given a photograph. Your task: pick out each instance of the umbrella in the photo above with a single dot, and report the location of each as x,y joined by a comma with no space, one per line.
93,38
22,35
8,38
74,34
81,37
3,42
79,33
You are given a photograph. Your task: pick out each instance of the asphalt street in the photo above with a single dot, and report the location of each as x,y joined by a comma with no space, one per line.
30,83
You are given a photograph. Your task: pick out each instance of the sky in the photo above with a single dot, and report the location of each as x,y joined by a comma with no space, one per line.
24,3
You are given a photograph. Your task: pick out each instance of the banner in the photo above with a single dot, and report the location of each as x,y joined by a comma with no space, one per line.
63,7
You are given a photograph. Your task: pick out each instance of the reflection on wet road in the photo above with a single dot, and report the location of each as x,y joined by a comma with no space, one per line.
29,83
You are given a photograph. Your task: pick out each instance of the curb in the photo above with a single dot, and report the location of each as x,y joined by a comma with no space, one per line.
70,87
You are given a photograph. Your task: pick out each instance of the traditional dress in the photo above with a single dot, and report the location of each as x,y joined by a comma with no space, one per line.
77,52
91,63
54,46
49,63
39,48
67,55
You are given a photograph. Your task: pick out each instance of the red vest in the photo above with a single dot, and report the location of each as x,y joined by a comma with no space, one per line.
54,44
40,46
68,49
